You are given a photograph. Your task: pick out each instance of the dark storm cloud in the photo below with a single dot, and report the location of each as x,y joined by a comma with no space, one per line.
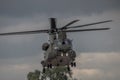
50,7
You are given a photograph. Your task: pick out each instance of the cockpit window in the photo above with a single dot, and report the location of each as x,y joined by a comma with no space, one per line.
68,41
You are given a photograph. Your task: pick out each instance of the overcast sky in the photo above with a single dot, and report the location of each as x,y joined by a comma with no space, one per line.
98,51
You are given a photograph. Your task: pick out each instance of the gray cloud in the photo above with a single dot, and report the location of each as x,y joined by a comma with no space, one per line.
30,7
17,69
98,66
21,46
25,45
21,54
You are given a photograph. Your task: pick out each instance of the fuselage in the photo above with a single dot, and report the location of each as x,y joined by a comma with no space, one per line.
59,51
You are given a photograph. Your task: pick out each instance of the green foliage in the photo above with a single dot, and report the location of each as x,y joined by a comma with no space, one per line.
34,75
58,73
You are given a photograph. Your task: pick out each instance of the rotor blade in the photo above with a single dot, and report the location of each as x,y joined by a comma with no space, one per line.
24,32
81,30
70,23
90,24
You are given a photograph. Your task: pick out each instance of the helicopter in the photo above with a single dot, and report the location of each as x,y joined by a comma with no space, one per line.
58,50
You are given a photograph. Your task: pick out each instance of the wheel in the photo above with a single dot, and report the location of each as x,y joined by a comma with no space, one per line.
43,70
71,64
74,64
68,68
50,66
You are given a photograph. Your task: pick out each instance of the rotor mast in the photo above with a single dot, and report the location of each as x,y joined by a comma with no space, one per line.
52,33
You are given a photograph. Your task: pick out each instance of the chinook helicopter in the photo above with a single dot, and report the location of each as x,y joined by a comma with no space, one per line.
58,50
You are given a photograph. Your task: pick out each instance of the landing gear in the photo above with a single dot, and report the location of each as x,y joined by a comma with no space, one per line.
43,70
68,68
49,66
73,64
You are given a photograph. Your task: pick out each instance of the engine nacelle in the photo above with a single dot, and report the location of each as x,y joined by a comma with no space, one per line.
45,46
